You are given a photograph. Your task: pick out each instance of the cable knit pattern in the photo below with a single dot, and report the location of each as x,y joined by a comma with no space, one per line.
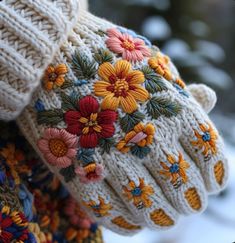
116,123
31,32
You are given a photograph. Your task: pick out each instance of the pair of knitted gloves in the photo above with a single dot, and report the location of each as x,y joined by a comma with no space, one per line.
109,114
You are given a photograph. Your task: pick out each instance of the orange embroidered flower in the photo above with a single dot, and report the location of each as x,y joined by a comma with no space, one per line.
100,210
139,194
206,139
120,86
160,65
11,154
176,170
141,135
54,76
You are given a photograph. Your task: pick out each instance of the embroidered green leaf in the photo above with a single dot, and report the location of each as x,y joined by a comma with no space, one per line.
67,84
69,102
106,144
83,67
158,106
68,173
140,152
103,55
153,82
130,120
50,117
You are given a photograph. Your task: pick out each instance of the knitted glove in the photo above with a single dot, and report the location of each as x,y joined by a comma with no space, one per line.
116,123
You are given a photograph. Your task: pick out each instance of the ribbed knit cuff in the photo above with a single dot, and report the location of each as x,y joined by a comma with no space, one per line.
31,32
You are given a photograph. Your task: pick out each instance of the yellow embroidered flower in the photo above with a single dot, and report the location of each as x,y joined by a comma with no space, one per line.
54,76
141,135
100,210
160,65
176,170
120,86
139,194
206,140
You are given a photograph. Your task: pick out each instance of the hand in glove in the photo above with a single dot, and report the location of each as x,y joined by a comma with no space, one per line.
114,120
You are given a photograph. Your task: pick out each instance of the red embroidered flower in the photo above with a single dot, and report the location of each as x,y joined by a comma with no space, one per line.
90,123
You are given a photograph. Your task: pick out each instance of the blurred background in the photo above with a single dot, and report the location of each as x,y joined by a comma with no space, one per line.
199,36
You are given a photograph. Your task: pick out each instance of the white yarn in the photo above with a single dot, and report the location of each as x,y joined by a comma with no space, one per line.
31,32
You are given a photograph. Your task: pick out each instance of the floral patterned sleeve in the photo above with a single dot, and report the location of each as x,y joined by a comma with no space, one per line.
34,206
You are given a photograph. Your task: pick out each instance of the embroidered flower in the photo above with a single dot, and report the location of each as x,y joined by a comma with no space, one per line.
131,49
206,139
90,123
13,226
58,147
54,76
134,35
101,209
90,173
176,169
160,65
77,216
121,86
140,135
139,194
12,155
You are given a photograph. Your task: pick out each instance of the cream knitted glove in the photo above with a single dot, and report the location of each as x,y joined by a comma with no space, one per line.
115,122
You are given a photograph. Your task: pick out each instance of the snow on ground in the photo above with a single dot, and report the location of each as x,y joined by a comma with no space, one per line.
216,225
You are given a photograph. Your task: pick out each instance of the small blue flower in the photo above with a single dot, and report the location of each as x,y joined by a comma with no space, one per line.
136,192
180,90
134,35
206,137
79,82
39,106
174,168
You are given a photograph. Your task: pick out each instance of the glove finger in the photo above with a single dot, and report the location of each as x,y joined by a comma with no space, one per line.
107,208
203,143
139,191
178,177
204,95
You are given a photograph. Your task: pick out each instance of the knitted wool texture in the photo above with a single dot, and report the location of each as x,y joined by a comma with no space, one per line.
31,32
158,157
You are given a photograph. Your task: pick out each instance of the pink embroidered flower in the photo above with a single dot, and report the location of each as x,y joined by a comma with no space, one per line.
90,173
76,215
131,49
58,147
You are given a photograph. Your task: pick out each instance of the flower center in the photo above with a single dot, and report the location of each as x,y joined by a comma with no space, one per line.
174,168
121,87
136,192
58,147
96,206
206,137
53,77
138,137
128,45
90,122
